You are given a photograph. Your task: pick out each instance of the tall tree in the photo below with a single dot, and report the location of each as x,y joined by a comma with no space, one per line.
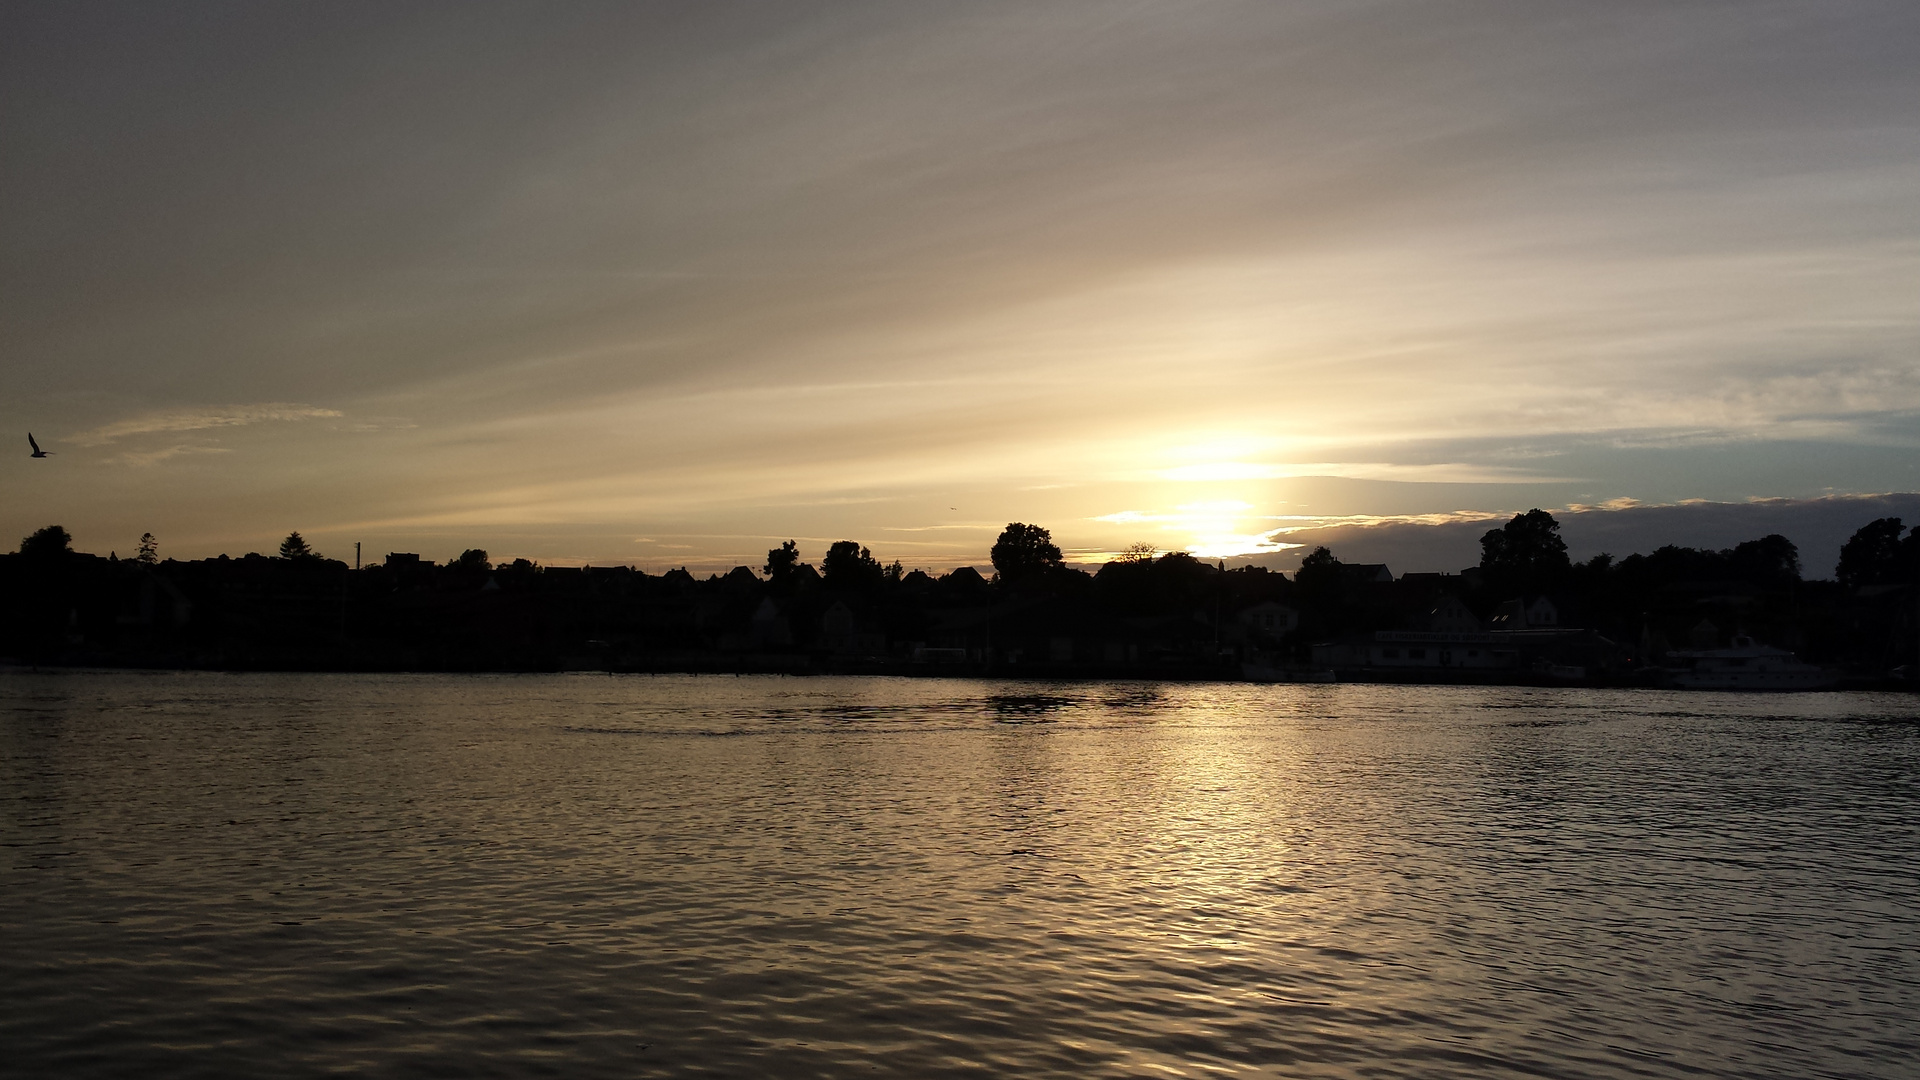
1525,554
1875,555
783,562
1319,567
1024,551
847,565
295,546
149,549
1771,560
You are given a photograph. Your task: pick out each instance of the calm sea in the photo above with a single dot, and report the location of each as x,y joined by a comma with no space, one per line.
591,875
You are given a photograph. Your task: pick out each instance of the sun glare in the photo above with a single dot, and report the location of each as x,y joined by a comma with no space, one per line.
1213,529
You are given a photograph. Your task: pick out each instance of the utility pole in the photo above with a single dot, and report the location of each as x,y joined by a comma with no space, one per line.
356,554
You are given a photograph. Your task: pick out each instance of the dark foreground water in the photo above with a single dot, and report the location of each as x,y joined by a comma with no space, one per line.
264,875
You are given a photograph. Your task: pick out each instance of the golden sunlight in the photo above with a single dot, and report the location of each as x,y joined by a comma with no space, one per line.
1213,529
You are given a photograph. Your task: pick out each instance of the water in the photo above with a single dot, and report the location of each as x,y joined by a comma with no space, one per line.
579,876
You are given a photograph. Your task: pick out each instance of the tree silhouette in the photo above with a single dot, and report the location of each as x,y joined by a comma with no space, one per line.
1875,555
1525,553
1024,551
149,549
473,559
1318,569
1773,559
847,565
50,542
783,562
296,547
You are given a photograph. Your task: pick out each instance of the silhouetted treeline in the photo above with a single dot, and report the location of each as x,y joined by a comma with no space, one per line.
1146,614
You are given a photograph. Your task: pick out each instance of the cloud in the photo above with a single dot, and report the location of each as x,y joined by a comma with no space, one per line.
1448,542
1375,521
381,423
202,419
1624,502
1433,473
154,457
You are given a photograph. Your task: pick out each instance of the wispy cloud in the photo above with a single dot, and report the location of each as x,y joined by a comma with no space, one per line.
155,457
1305,522
1435,473
381,423
1624,502
201,419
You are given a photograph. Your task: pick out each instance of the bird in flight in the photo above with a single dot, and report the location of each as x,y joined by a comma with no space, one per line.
37,452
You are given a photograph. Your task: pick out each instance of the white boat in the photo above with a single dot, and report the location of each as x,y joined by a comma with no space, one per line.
1745,665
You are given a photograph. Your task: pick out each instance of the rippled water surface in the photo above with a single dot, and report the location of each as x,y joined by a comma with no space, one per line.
628,876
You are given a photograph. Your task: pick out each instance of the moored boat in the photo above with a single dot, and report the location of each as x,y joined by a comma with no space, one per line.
1744,665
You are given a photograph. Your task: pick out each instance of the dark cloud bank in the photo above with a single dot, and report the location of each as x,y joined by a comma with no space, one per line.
1817,526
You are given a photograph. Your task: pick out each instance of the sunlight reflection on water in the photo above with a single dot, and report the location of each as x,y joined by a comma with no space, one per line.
593,875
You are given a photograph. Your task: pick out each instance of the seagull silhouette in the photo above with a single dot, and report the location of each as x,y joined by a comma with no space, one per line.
37,452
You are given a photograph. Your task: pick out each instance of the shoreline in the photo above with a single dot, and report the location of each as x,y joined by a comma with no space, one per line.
812,667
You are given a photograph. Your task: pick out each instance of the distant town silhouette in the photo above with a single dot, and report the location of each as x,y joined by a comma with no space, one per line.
1735,618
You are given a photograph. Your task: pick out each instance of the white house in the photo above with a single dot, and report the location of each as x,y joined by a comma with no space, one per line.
1542,613
1270,617
840,630
1518,614
1451,616
769,628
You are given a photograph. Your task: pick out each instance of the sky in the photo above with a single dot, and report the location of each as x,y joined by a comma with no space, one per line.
665,284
